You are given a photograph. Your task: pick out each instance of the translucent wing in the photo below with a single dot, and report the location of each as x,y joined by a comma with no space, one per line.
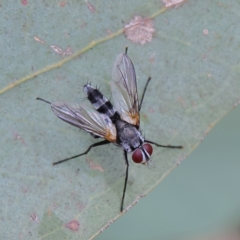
124,89
87,119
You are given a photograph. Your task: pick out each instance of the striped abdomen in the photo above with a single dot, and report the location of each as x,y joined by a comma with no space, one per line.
100,103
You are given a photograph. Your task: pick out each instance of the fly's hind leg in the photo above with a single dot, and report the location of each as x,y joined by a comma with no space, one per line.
126,179
89,148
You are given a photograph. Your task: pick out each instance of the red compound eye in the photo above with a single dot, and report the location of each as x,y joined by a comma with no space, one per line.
148,148
139,157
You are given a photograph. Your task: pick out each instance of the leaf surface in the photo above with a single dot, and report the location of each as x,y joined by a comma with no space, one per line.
194,64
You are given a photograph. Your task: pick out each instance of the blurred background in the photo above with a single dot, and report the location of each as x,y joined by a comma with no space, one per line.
200,199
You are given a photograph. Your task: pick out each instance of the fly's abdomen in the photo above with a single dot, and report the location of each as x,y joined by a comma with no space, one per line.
100,103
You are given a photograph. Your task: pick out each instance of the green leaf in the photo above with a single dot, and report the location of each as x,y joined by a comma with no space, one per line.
194,64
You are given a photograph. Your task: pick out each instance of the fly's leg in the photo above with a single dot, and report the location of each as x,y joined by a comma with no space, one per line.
165,146
43,100
143,94
126,179
89,148
140,105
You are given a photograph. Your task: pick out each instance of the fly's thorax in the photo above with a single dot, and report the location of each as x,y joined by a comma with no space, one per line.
131,139
128,136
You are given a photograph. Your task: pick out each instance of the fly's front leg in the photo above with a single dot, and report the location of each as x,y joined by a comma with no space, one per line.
144,90
165,146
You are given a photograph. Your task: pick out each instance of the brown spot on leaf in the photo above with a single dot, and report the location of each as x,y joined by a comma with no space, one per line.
205,32
24,2
18,137
38,39
34,217
73,225
94,165
91,7
172,3
62,4
139,30
60,51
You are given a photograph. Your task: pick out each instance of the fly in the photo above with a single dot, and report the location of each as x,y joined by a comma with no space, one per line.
119,123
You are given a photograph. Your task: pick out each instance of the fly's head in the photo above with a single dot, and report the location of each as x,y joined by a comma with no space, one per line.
142,154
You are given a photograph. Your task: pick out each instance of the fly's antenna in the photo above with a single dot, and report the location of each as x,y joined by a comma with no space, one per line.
150,162
43,100
126,49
